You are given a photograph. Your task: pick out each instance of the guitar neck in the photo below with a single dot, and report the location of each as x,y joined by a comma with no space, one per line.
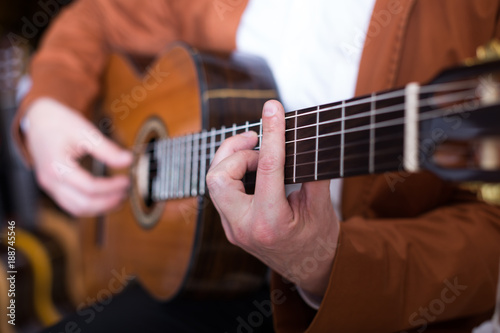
363,135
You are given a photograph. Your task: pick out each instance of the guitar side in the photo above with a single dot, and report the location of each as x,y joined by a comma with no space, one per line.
176,247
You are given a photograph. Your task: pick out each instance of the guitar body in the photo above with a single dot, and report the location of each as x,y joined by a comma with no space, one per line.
168,235
175,247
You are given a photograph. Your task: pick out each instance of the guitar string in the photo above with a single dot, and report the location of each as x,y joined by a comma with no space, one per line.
350,144
378,151
442,87
436,113
389,123
390,109
395,108
398,121
329,174
430,115
380,98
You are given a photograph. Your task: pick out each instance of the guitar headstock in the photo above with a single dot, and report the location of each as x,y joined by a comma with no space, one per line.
461,116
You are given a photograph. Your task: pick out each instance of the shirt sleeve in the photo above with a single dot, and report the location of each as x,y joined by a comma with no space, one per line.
400,273
73,54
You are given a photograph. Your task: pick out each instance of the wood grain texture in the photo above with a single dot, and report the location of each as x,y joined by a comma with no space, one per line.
185,251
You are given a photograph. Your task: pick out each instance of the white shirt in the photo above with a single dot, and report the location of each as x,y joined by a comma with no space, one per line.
313,48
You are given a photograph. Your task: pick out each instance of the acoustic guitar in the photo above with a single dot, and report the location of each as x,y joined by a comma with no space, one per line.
175,114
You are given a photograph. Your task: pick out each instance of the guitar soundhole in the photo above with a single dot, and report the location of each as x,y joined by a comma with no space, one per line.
147,211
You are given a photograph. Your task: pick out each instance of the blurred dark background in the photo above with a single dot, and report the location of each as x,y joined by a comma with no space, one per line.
16,16
43,254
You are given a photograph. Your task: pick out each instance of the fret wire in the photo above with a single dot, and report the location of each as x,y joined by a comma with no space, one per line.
383,152
371,157
387,123
182,166
317,146
194,183
260,134
383,124
353,156
222,133
164,180
342,141
167,168
182,176
392,122
176,167
393,108
203,160
164,183
399,93
160,184
212,145
351,144
187,177
295,149
327,175
426,116
397,121
171,169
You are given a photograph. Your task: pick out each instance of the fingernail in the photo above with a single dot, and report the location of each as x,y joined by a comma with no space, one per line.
269,110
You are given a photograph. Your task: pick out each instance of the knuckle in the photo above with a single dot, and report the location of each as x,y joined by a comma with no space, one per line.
263,235
215,180
82,207
268,164
228,143
91,188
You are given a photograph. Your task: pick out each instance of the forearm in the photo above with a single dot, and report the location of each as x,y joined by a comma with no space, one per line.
404,273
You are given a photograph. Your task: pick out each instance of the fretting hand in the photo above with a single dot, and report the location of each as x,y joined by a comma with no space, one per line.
295,236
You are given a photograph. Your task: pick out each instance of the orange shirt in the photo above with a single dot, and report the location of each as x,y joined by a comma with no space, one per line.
402,247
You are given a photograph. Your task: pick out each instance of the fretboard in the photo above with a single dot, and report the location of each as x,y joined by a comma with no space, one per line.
363,135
